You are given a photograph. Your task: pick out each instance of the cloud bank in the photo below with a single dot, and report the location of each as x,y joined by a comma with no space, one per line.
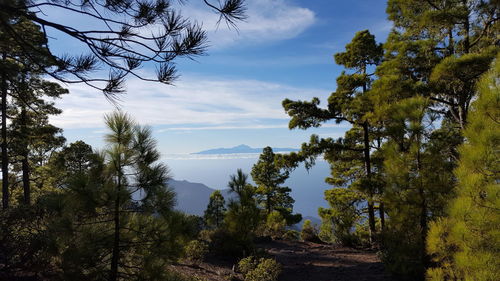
195,103
268,21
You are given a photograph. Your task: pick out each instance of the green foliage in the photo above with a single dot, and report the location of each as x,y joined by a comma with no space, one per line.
326,232
214,214
247,264
243,216
465,245
93,220
195,251
308,232
340,219
291,235
419,179
235,237
226,244
275,225
361,235
241,222
24,241
351,158
360,52
268,176
262,269
76,158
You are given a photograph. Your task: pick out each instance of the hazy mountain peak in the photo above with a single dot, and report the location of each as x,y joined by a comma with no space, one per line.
242,148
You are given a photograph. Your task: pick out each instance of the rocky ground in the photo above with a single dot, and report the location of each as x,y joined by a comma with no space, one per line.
302,261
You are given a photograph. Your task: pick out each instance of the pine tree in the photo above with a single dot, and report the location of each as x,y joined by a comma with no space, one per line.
16,72
32,137
465,244
418,172
349,103
243,216
422,94
270,194
445,46
341,216
214,214
117,220
76,158
127,35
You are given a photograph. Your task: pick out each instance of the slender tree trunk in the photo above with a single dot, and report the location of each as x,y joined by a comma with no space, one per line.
5,155
26,180
268,203
25,162
371,209
366,139
116,242
467,30
381,213
423,213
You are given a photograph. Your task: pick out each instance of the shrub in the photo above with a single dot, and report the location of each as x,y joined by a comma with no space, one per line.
291,235
267,270
275,225
247,264
326,232
196,250
263,270
309,232
223,243
362,233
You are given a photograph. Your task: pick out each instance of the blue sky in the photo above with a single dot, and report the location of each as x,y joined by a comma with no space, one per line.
233,95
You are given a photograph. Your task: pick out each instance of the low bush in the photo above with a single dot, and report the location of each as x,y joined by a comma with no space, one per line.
275,225
326,232
291,235
309,232
222,243
263,269
247,264
196,250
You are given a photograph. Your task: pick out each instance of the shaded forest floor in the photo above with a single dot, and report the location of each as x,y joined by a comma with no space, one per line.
302,261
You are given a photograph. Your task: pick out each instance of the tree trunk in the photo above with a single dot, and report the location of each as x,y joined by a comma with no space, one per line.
371,209
423,212
26,180
5,156
25,154
381,212
113,276
268,203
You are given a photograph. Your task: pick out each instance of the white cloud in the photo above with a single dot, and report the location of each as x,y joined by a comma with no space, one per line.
195,103
268,20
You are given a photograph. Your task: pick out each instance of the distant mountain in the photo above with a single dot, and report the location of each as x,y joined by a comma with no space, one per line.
242,149
193,198
316,222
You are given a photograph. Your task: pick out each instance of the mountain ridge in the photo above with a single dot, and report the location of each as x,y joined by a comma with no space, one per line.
193,197
242,148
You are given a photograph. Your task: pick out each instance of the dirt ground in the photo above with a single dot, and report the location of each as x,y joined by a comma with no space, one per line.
302,261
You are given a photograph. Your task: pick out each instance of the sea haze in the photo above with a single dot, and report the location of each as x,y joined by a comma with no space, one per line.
214,170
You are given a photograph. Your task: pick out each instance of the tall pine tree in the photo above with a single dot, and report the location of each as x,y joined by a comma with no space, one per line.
270,194
465,244
350,157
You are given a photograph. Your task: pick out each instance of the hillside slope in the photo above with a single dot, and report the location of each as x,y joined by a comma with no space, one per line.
193,198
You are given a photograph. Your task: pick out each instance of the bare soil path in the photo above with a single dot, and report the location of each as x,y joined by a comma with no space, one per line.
302,261
307,261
